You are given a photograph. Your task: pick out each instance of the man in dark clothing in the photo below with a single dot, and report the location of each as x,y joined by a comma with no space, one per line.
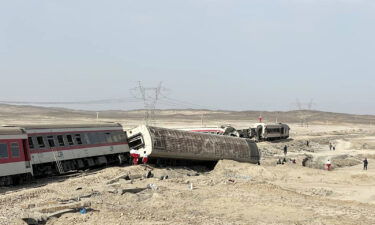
285,150
304,161
365,163
308,143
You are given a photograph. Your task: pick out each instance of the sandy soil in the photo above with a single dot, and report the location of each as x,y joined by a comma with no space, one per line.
231,193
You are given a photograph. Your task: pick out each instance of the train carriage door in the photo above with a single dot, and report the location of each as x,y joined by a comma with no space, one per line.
57,154
25,150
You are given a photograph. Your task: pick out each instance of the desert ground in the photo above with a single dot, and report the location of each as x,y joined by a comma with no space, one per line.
230,193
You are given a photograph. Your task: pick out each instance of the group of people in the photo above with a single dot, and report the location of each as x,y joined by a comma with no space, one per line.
332,146
327,165
282,162
135,156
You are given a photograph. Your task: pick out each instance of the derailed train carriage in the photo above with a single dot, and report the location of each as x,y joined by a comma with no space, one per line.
14,156
270,132
75,146
222,130
35,150
163,143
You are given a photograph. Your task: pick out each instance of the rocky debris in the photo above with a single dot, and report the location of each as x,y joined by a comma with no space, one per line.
152,187
345,161
42,215
320,192
132,175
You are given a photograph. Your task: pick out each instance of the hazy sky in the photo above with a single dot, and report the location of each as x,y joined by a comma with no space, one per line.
220,54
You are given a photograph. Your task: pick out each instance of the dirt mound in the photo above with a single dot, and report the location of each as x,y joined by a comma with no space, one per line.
241,171
345,161
362,178
337,161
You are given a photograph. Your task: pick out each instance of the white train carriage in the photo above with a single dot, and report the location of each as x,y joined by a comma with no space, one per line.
14,157
163,143
269,132
61,148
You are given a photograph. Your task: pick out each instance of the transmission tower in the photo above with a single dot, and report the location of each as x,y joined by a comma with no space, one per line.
304,112
150,97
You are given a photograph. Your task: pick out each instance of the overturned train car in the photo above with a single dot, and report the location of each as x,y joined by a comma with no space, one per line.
162,143
270,132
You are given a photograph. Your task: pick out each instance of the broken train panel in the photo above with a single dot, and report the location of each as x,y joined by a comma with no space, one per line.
159,142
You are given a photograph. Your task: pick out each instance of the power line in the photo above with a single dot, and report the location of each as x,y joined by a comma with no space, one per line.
304,111
150,97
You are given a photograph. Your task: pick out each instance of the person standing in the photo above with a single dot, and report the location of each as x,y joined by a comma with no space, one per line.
365,163
330,146
328,165
304,161
134,155
145,158
285,150
308,143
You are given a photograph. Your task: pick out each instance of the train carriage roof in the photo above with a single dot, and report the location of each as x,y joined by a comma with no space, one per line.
11,131
62,126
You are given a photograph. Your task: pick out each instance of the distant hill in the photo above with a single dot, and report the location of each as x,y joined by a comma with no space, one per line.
15,112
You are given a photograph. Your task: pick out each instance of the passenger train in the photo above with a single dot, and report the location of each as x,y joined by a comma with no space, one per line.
28,151
35,150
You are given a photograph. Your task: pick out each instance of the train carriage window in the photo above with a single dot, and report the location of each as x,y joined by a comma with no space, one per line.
115,138
40,141
96,138
86,138
109,137
101,138
51,141
122,137
3,151
91,138
15,150
70,139
31,142
60,140
78,139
